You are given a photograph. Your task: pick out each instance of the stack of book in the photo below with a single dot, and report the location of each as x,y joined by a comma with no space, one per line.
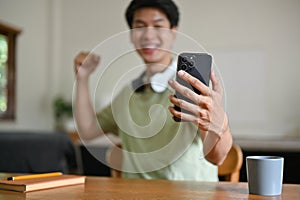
34,182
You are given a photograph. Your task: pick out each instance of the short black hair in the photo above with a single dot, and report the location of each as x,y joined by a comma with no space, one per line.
167,6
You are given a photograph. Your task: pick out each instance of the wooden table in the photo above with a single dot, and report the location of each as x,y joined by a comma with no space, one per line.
109,188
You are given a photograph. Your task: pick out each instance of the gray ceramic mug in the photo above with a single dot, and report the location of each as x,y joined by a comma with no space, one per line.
265,174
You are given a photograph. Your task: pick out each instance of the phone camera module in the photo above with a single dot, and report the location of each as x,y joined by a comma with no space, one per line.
184,67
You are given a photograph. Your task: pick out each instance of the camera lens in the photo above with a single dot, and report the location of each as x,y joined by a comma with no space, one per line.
184,67
184,59
191,63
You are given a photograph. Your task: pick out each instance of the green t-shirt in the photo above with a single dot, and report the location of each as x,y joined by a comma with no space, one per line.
155,146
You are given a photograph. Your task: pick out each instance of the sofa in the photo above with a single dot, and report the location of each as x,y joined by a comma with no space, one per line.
36,152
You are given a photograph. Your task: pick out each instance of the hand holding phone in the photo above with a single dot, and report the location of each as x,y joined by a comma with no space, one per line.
197,65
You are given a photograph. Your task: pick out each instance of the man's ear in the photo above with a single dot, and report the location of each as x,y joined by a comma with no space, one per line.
174,28
174,32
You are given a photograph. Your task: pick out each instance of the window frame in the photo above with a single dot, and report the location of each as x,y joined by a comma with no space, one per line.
11,33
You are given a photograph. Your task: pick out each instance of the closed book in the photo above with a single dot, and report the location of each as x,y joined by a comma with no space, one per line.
33,184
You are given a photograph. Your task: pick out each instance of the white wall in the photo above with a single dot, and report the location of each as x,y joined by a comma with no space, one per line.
268,27
234,31
33,50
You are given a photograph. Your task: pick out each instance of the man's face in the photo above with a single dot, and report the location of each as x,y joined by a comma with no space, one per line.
152,36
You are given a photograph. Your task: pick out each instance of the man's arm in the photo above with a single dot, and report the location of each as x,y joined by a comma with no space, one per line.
216,146
207,113
84,113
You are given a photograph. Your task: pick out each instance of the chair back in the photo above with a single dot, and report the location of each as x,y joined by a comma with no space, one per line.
230,168
114,159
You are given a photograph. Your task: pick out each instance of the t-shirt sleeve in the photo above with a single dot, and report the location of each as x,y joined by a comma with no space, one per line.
106,121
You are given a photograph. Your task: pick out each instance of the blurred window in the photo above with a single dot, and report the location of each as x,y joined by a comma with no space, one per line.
8,36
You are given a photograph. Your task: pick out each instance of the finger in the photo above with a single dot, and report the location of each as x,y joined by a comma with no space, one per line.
199,100
87,58
181,115
78,61
201,124
80,58
216,84
188,93
92,58
195,109
196,83
77,68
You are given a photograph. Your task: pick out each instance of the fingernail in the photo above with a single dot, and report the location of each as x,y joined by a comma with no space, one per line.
171,81
181,73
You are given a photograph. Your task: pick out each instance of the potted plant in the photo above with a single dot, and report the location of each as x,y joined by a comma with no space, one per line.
63,113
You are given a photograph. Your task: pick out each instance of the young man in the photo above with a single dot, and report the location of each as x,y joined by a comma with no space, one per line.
155,146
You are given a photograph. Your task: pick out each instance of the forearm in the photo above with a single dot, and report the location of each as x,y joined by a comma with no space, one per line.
217,146
85,115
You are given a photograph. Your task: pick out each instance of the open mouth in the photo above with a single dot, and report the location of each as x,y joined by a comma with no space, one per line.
149,49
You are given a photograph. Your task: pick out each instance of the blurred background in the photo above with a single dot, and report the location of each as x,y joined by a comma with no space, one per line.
255,45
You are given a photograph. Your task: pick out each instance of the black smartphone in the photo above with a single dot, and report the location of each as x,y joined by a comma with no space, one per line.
197,65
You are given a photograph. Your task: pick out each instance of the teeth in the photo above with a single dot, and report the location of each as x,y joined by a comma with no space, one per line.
150,46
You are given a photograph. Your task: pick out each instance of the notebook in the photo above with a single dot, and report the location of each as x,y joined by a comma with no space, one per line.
41,183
